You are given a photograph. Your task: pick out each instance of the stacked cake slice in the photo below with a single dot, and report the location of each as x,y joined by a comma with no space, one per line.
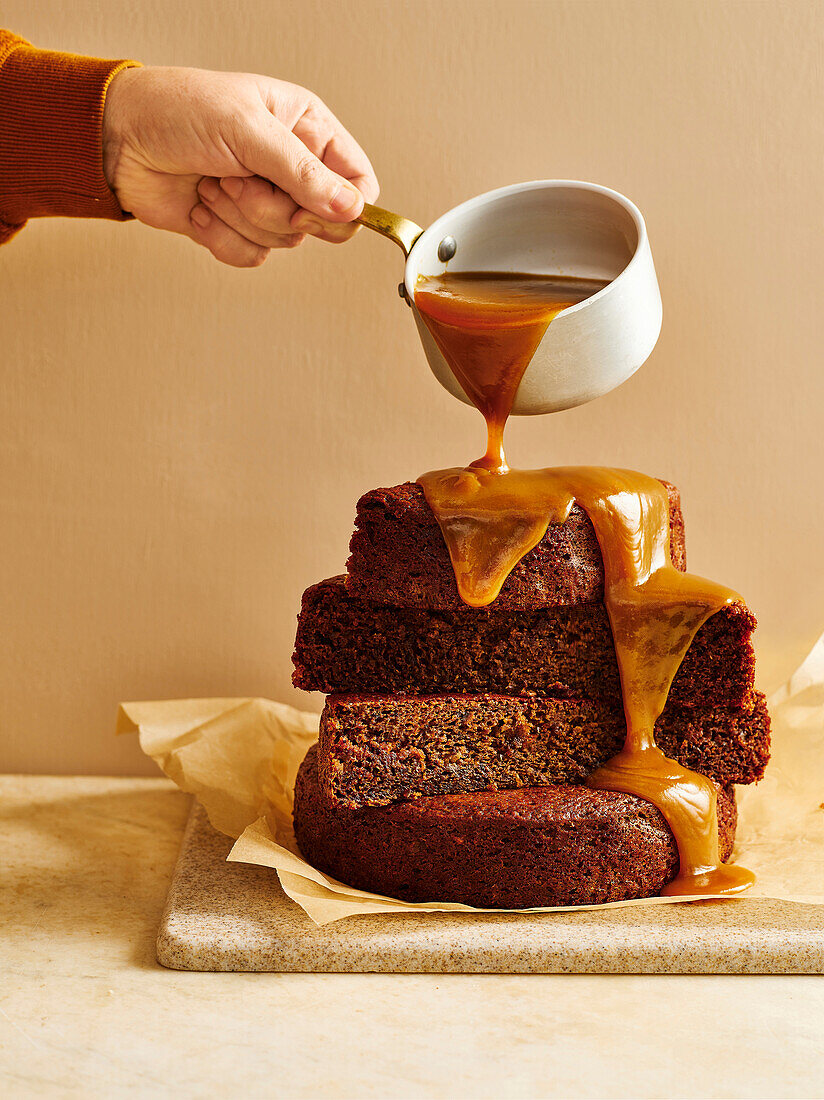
455,742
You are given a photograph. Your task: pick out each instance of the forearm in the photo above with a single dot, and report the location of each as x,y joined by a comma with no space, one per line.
51,113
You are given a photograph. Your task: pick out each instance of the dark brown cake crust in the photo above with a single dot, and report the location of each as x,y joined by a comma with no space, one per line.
375,750
348,645
399,558
529,848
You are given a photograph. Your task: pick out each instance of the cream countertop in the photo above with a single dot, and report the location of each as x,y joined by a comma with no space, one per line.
86,1010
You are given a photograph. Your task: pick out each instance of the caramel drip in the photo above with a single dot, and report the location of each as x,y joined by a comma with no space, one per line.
491,516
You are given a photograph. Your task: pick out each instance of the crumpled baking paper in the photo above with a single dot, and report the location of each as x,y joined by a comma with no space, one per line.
239,758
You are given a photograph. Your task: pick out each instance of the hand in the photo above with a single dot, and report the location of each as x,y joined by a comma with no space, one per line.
239,163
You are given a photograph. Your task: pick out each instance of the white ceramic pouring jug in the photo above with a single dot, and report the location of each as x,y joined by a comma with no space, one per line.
547,227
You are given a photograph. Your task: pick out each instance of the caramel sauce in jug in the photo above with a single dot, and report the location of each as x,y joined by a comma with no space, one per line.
487,327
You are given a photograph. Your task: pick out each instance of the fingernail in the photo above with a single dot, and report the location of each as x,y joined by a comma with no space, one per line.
233,186
201,216
208,189
346,199
307,225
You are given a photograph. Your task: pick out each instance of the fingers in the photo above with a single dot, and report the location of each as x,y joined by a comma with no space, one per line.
323,134
253,208
339,151
279,155
319,177
225,243
264,214
333,232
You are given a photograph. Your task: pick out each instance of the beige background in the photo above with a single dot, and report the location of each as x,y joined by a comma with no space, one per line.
182,444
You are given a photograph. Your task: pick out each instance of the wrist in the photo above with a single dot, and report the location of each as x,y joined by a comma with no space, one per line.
115,127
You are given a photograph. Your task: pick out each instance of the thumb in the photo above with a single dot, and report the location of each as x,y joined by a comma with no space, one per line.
275,153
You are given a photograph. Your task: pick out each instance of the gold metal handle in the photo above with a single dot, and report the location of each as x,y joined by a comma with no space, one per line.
400,230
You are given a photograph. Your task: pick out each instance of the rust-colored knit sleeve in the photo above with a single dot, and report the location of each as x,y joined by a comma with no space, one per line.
51,152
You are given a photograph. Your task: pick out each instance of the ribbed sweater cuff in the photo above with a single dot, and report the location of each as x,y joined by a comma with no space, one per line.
51,155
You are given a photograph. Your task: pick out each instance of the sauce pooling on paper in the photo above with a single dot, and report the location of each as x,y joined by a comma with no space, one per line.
487,328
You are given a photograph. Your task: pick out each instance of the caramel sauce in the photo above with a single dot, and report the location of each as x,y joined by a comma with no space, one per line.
487,328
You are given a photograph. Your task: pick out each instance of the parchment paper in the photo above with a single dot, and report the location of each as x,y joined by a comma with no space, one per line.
239,757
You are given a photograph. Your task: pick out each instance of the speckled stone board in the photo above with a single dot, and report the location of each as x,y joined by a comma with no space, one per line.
230,916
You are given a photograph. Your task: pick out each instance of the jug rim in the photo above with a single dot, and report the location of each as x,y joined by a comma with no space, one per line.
536,185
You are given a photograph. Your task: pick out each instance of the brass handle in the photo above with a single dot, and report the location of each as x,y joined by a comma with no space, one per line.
400,230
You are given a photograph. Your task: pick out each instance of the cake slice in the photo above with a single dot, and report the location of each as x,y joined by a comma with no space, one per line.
515,849
345,644
398,557
374,750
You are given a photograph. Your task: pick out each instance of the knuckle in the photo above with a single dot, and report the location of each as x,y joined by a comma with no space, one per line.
255,209
315,109
249,207
308,171
314,104
240,261
238,258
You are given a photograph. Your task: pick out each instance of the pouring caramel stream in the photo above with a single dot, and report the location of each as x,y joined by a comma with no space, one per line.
487,328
